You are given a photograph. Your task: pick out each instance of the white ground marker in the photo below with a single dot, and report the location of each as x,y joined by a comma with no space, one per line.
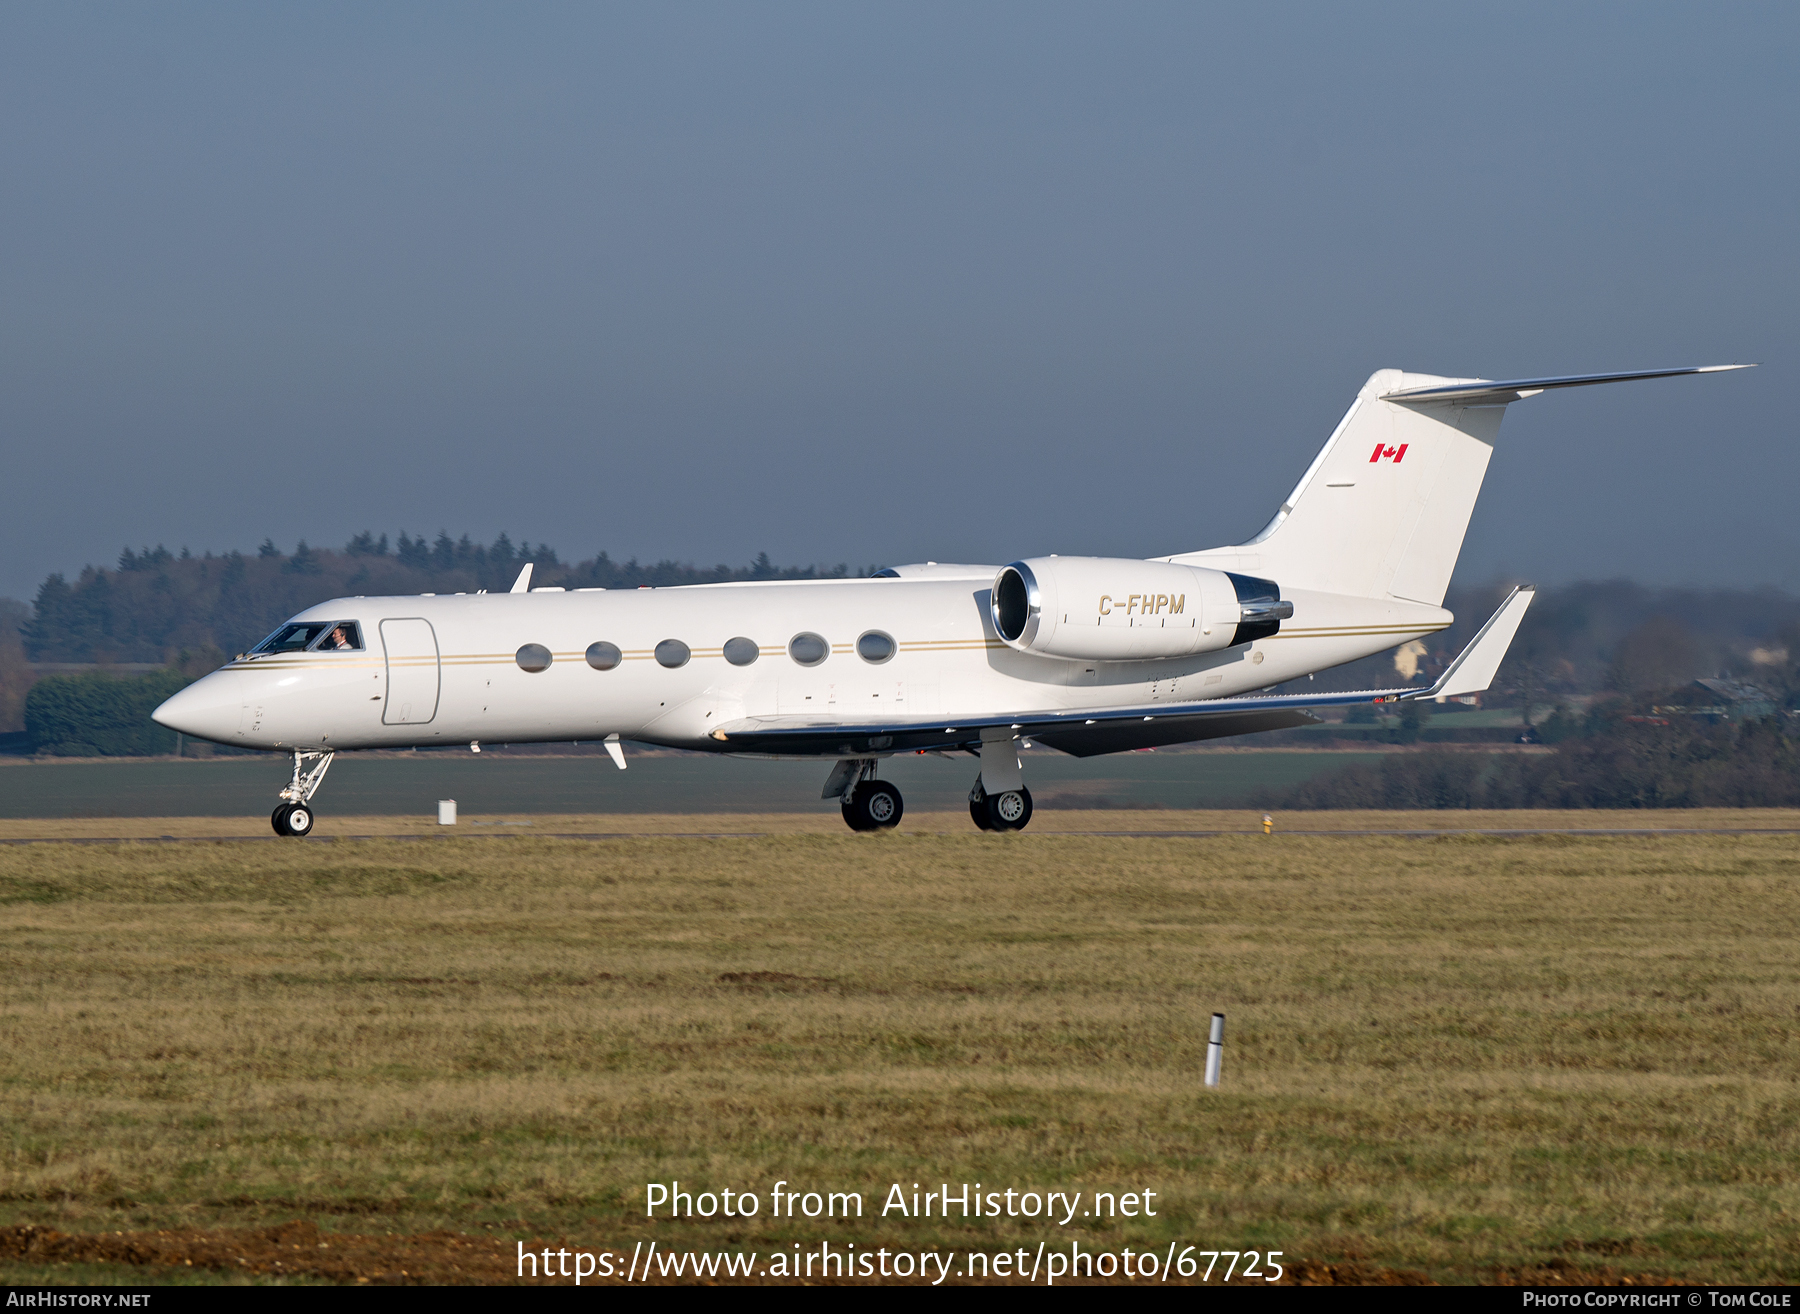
1215,1049
446,812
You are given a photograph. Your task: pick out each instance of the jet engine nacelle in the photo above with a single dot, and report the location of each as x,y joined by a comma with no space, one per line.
1116,609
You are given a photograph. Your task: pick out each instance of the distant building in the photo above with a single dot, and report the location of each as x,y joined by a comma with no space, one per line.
1723,700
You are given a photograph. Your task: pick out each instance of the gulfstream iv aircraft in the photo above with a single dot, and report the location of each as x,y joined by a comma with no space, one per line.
1086,654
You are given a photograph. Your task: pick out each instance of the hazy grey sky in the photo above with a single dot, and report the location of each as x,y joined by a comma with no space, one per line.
885,283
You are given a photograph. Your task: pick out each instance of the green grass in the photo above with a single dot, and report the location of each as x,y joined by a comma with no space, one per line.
1452,1055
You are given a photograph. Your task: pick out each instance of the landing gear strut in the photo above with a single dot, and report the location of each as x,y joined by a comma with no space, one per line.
294,818
1008,811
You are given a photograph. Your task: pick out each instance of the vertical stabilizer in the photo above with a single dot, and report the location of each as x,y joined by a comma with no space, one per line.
1383,508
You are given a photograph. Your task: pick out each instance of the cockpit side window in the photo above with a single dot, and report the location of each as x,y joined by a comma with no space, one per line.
341,636
293,638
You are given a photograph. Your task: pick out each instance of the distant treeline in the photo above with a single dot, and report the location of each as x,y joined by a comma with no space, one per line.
1577,640
99,715
15,673
1615,756
156,605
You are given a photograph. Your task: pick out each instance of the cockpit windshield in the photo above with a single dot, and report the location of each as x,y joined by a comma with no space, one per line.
320,636
291,638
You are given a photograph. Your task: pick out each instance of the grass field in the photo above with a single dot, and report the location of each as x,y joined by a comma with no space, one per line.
1457,1055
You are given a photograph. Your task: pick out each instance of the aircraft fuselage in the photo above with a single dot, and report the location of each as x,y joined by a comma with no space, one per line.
436,670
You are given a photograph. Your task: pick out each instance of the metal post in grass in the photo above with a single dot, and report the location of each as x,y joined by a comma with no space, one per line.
1215,1049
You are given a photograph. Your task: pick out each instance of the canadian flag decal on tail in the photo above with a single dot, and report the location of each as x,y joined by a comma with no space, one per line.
1394,454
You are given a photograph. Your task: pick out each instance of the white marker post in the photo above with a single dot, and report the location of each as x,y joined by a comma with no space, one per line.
1215,1049
446,812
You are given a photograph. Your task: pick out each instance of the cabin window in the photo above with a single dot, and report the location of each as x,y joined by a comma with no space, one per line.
875,647
808,649
604,656
342,636
533,657
293,638
741,651
672,653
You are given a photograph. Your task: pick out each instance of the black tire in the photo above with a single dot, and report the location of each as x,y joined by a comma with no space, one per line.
1009,811
293,820
978,808
873,805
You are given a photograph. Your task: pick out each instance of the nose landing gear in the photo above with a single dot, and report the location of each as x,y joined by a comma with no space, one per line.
294,818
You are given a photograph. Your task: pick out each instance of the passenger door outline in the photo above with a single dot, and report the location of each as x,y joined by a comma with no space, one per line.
409,645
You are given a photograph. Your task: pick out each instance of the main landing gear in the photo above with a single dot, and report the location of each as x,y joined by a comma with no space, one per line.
873,805
868,803
1008,811
294,818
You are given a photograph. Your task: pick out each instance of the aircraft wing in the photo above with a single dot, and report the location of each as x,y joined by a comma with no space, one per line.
1088,732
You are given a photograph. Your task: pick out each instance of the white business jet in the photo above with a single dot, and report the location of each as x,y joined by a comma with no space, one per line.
1086,654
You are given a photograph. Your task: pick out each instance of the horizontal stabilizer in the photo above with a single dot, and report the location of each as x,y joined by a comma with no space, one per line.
1484,392
1474,668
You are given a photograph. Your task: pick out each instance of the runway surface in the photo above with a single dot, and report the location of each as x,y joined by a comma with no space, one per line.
450,833
496,784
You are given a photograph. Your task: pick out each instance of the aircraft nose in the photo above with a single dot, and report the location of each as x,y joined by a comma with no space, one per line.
209,708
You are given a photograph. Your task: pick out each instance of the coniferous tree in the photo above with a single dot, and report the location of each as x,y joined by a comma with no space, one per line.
413,552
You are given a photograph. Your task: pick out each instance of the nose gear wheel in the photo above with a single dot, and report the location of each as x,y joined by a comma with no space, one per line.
292,820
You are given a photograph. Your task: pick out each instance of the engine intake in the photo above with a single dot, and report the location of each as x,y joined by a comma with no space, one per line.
1117,609
1013,602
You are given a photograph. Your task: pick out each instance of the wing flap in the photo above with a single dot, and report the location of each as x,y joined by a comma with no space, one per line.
1119,736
